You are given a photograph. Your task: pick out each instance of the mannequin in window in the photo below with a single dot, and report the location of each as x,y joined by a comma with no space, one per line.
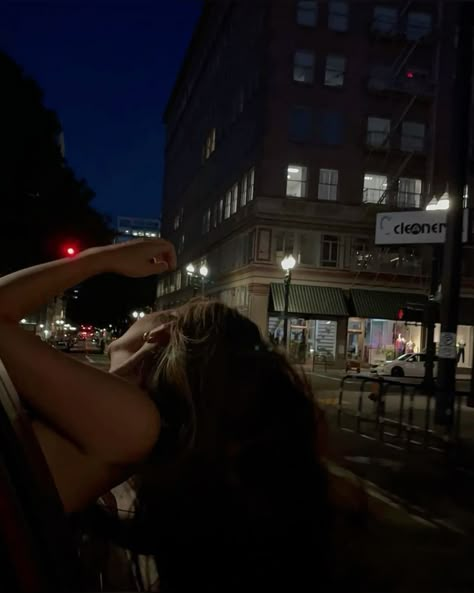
461,347
410,347
400,345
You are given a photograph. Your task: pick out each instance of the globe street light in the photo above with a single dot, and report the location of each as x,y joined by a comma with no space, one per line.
203,274
203,271
441,204
135,315
287,263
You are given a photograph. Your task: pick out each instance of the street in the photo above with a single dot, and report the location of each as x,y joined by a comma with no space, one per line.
100,361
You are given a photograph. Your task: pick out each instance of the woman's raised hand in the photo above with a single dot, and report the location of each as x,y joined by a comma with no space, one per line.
137,259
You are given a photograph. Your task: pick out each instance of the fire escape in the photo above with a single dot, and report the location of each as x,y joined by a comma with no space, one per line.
404,86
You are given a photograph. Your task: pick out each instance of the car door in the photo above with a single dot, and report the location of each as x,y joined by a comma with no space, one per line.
419,365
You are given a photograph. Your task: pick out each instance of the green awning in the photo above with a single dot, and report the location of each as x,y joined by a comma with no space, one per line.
310,300
378,304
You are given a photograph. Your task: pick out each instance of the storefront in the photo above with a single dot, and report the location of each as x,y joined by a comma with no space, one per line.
317,322
374,335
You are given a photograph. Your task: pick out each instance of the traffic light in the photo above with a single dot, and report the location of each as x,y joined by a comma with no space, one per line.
413,312
69,250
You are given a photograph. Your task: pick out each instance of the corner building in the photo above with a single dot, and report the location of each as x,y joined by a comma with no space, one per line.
291,124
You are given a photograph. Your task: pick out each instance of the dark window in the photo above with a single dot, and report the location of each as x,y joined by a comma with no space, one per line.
330,128
329,251
338,15
301,124
385,19
306,13
418,25
303,67
335,69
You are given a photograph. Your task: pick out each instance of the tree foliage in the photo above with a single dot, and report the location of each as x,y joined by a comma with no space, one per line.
44,204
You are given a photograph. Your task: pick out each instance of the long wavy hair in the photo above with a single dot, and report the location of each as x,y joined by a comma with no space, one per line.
234,497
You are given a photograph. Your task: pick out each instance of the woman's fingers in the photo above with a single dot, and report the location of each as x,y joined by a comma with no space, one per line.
152,340
159,335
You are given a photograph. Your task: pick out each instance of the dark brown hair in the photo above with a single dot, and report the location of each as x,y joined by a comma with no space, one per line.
234,497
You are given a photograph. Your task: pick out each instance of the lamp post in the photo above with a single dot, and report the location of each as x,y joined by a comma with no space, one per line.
203,271
202,276
287,263
430,313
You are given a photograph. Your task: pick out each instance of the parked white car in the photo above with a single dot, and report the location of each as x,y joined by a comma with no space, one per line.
407,365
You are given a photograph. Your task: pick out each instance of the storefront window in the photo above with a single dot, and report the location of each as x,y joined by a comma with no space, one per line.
464,342
306,337
377,340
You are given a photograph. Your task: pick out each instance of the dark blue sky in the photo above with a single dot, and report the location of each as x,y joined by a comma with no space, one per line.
107,68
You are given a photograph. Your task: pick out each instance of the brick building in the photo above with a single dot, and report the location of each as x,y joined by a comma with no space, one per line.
290,126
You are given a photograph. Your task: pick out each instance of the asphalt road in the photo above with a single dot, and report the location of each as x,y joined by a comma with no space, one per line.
95,359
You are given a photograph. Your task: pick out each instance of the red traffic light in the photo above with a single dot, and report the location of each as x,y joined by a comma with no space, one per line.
70,250
401,314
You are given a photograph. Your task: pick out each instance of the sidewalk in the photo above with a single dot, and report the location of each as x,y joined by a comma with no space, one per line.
422,482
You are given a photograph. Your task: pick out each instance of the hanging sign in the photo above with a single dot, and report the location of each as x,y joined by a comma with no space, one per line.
415,227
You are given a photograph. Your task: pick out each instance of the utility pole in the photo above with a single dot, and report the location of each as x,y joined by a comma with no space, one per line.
430,320
451,284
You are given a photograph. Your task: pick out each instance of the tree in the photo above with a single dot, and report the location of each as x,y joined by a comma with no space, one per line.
43,203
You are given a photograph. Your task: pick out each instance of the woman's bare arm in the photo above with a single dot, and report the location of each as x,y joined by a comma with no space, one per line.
25,291
92,425
102,414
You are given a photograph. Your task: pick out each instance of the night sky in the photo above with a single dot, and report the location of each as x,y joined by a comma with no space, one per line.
107,68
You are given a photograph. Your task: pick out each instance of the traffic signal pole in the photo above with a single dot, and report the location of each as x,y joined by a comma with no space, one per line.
430,320
451,282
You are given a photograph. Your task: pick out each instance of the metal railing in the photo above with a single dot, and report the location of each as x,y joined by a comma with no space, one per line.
395,412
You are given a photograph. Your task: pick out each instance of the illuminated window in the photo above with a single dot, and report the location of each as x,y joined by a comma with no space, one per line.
328,180
251,184
378,131
409,192
374,188
235,199
296,182
228,198
210,144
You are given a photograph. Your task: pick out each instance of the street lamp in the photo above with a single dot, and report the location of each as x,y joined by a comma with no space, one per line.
203,271
203,274
287,263
441,204
135,315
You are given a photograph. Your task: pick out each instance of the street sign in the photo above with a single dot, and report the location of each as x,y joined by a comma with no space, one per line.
415,227
447,345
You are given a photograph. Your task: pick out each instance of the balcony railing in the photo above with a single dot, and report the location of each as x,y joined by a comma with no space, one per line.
379,262
402,200
383,81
